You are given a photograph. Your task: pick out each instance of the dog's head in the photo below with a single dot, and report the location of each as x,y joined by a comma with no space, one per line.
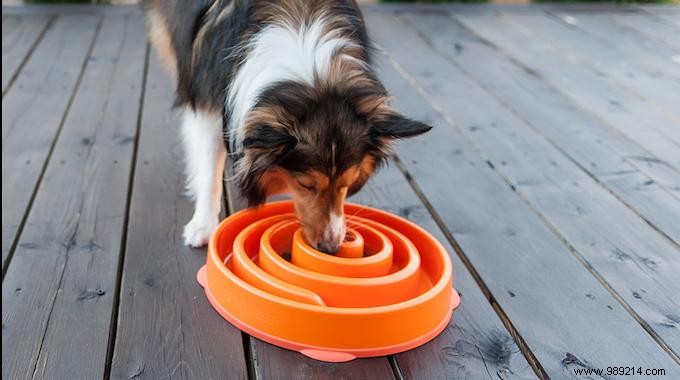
320,145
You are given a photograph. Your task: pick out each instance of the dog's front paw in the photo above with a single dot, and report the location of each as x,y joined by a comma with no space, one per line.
197,232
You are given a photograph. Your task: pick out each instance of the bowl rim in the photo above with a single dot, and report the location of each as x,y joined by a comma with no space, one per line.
445,280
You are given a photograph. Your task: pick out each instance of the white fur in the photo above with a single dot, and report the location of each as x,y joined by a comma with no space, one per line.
205,155
280,53
335,231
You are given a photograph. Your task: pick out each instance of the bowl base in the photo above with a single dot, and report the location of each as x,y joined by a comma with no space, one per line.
325,354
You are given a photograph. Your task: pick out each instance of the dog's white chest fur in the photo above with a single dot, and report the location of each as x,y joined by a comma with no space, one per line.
301,53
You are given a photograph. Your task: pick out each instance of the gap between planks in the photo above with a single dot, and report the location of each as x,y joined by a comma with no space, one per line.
630,113
28,55
41,174
640,213
123,242
516,336
451,124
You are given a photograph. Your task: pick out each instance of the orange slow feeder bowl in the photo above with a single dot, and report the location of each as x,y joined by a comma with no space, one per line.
387,290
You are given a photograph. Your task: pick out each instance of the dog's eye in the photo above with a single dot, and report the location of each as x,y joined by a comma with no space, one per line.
307,187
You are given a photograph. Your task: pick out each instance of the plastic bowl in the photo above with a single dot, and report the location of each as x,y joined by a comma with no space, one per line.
387,290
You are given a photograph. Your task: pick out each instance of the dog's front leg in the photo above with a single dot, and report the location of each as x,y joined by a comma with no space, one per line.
205,155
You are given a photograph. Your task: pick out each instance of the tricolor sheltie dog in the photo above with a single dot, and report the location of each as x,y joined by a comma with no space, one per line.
287,87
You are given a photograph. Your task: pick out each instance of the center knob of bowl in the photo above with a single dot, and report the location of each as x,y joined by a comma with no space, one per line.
352,246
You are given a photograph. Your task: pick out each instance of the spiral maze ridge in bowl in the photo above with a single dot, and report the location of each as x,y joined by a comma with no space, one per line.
388,289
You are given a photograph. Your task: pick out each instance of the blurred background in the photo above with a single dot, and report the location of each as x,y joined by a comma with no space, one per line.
19,2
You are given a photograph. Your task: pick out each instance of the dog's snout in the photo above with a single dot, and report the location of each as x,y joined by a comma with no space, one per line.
326,237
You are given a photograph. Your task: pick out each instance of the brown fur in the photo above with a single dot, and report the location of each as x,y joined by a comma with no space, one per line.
316,195
320,141
162,42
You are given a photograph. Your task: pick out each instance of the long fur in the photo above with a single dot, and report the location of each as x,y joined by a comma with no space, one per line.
300,106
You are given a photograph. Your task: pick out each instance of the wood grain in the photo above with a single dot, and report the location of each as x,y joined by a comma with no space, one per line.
650,188
72,238
635,45
33,112
668,14
475,345
278,363
631,115
629,256
518,257
654,28
19,37
166,327
553,168
634,74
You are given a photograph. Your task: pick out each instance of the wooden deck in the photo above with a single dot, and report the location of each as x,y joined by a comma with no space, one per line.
552,177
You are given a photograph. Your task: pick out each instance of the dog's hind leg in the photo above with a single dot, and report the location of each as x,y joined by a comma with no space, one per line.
205,156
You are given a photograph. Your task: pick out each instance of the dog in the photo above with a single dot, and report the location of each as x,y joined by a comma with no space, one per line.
287,86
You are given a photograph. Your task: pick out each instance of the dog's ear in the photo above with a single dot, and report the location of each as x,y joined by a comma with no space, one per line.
388,127
396,126
263,147
371,100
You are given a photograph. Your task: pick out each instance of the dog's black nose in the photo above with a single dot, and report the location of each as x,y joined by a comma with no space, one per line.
329,248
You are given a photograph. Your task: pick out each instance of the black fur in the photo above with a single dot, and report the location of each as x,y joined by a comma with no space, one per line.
202,83
397,126
318,122
265,137
319,127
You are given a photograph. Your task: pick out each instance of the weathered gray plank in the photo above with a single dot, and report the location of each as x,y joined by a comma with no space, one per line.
475,345
653,27
73,9
636,46
166,327
32,114
278,363
597,149
59,289
604,58
670,14
542,288
629,255
19,36
632,116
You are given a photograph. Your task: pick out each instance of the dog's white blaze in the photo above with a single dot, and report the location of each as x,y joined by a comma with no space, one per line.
281,53
205,154
336,228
